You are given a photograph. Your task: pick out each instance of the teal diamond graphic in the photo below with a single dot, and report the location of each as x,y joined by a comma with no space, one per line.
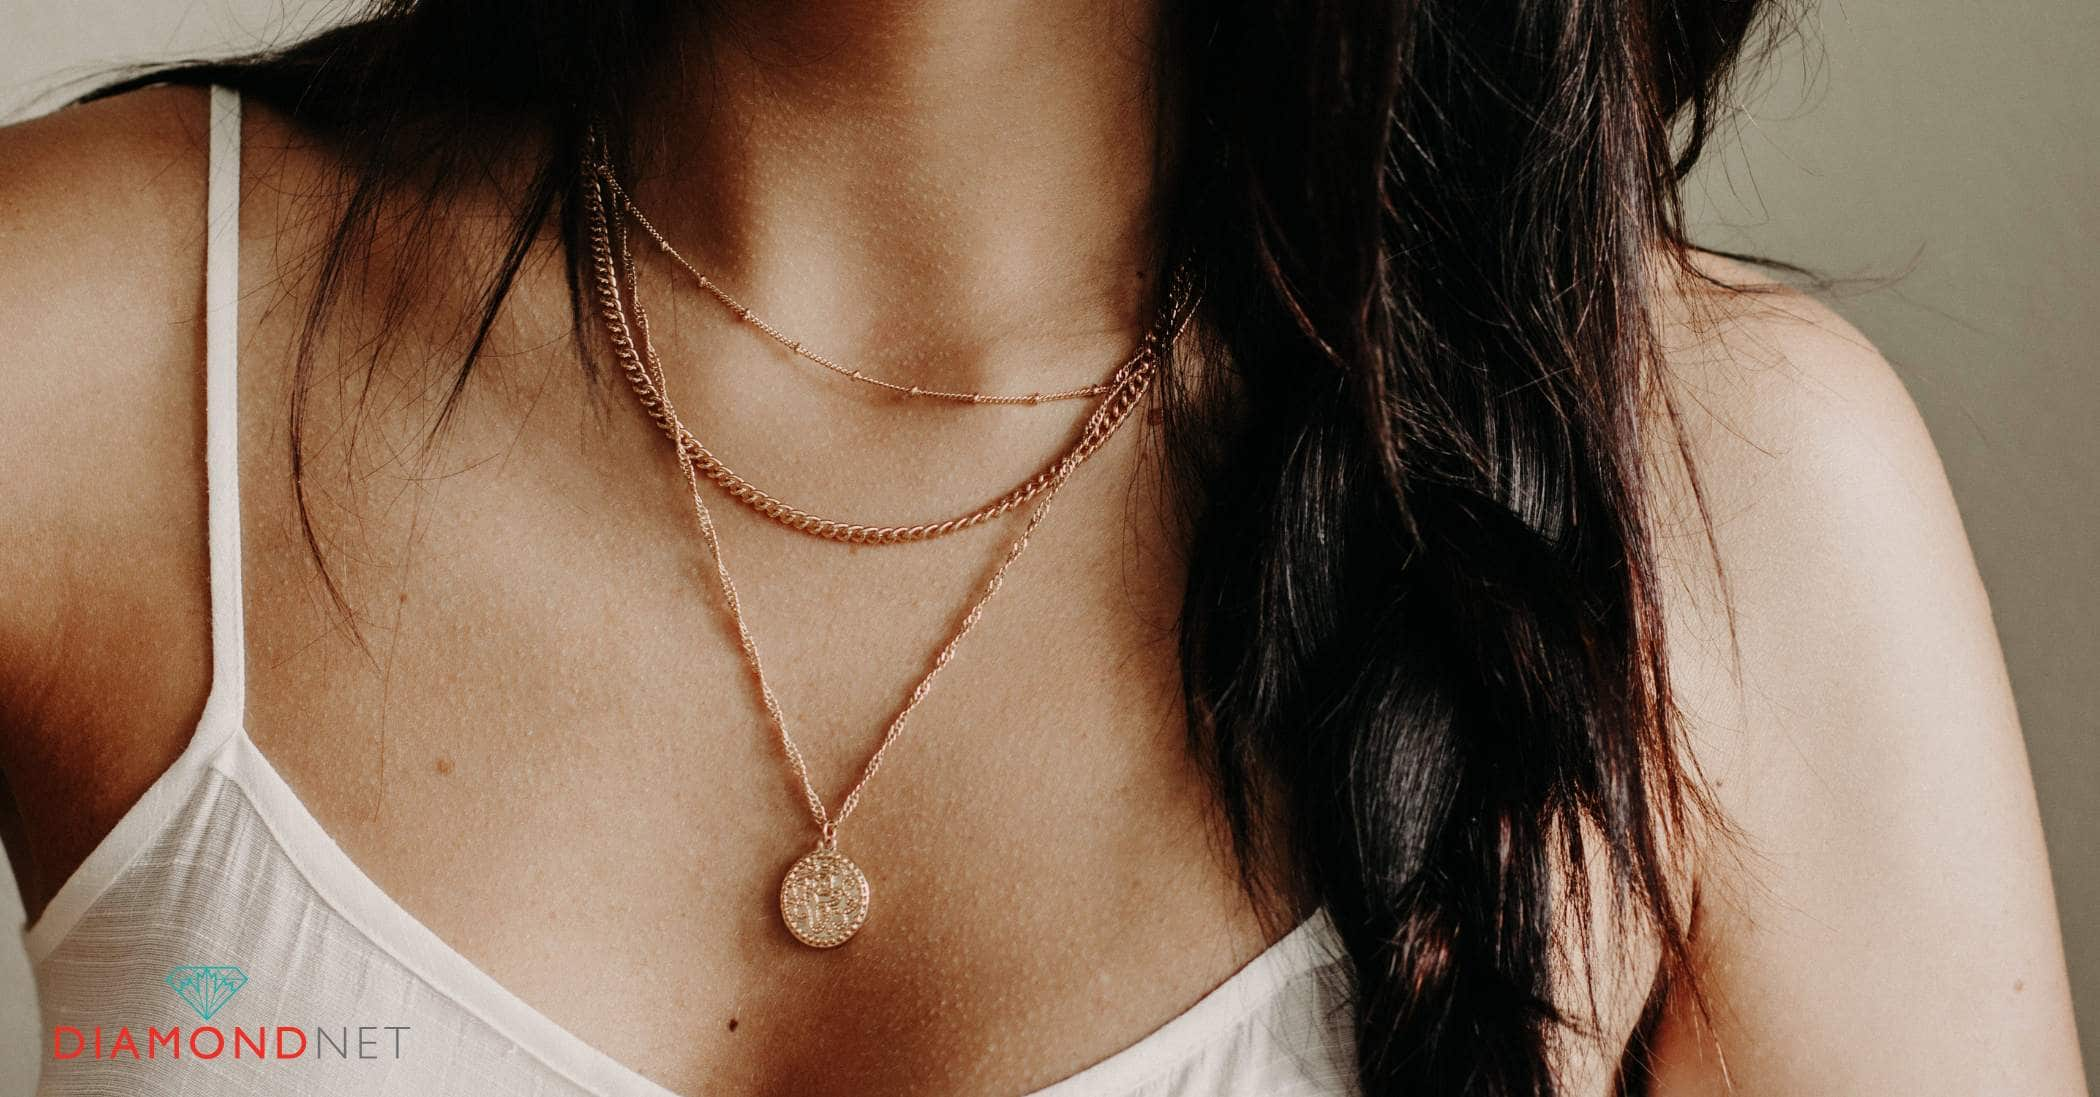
206,988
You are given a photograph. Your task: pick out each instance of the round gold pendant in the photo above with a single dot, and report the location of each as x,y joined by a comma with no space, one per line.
824,899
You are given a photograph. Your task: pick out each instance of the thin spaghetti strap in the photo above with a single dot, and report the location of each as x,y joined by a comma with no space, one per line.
221,403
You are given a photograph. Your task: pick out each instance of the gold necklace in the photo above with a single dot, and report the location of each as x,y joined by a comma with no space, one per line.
1175,315
824,897
744,313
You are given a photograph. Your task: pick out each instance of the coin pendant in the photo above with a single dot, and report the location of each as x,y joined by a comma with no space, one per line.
824,899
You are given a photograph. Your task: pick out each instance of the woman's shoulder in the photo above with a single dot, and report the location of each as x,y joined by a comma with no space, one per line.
1769,379
105,644
102,589
101,254
1802,509
1883,875
101,233
102,228
1817,578
104,596
1786,436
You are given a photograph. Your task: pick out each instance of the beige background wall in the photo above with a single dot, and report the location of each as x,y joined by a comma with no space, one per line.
1949,145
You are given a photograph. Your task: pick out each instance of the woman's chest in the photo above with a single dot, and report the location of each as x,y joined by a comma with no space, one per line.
553,752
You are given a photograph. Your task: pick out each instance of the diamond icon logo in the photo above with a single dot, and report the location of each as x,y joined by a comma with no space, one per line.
206,989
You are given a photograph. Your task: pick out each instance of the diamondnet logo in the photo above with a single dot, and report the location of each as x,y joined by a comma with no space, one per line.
206,988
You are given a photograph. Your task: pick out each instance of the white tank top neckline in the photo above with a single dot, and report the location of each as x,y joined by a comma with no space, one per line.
219,903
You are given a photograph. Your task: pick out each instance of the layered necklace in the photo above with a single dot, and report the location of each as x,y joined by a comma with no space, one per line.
824,898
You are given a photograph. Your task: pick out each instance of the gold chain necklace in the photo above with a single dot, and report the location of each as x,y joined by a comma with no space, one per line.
824,897
1175,315
744,313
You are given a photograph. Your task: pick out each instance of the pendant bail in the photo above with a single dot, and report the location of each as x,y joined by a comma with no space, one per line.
828,835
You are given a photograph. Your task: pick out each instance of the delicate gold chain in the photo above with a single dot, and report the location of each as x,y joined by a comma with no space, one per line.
644,371
1099,427
743,312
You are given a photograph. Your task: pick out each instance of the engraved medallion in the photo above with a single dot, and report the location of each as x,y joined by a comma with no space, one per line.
824,899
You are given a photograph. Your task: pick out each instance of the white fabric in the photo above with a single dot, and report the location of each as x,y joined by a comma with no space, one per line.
220,864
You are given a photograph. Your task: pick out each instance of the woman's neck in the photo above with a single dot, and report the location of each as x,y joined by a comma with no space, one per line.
957,191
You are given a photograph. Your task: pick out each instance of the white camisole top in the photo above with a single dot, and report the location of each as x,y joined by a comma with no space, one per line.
219,942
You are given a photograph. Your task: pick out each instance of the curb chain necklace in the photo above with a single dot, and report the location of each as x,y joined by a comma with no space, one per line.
1178,309
824,897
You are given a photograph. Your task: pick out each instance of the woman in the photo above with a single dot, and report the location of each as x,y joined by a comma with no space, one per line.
1480,644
